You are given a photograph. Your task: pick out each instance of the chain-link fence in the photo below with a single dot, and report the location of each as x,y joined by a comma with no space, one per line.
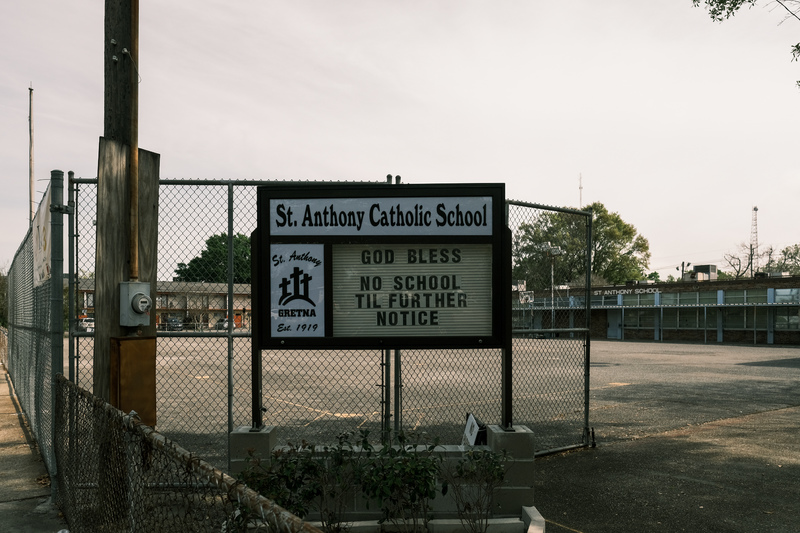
118,474
551,261
109,472
35,317
204,349
203,358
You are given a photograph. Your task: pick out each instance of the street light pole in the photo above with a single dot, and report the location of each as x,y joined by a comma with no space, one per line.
683,267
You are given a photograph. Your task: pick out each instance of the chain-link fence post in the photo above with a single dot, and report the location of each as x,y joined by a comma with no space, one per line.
386,408
588,438
71,273
229,307
398,391
56,208
507,365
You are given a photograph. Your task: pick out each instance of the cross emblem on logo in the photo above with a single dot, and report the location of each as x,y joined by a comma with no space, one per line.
295,287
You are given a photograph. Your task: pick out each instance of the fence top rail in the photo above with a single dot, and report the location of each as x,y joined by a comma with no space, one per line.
21,248
237,183
550,208
277,182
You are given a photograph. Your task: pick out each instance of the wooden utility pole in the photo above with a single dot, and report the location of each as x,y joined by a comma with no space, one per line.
127,197
119,68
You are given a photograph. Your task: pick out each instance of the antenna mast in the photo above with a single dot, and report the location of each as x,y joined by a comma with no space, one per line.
580,191
754,243
30,156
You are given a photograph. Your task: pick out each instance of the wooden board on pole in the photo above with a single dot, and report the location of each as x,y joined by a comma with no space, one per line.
133,376
111,260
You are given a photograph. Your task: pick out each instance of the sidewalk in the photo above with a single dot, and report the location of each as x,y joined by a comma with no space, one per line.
25,505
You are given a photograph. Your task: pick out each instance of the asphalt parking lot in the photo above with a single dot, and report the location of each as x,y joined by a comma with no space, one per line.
316,395
696,438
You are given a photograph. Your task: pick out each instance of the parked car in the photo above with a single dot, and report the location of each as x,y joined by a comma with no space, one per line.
173,324
222,324
86,324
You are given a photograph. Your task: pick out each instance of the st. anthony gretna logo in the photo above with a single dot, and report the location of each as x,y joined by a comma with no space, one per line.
295,287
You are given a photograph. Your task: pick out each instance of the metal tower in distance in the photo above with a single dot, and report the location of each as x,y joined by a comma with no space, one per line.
754,243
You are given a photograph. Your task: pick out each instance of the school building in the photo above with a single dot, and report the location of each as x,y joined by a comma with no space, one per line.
197,306
763,310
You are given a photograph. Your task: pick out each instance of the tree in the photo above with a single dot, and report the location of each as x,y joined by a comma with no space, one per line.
654,277
787,260
725,9
550,250
724,276
740,262
212,264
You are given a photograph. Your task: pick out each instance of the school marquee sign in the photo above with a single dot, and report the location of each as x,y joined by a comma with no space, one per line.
360,266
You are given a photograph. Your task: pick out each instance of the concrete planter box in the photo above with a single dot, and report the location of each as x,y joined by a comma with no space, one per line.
530,522
513,501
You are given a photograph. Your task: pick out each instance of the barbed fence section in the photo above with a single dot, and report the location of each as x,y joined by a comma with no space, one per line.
204,346
118,474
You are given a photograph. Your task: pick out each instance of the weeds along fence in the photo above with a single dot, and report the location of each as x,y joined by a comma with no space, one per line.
204,364
118,474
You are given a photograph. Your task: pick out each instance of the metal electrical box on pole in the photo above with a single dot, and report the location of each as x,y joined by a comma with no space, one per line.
134,303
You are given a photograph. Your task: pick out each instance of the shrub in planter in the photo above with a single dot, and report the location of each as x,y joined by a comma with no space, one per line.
402,477
339,472
290,477
303,478
472,481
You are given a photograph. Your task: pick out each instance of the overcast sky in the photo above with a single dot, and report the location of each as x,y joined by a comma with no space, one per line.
678,123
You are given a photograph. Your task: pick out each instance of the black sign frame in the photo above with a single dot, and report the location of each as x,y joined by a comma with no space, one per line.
263,237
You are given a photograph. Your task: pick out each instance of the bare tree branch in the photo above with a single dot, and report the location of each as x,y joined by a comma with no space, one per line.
792,13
